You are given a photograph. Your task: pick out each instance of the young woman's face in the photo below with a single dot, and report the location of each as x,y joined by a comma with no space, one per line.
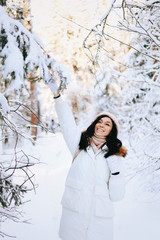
103,127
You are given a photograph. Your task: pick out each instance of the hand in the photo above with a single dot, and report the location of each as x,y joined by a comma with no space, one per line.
114,163
53,87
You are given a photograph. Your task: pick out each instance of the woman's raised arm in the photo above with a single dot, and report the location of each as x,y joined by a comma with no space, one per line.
70,131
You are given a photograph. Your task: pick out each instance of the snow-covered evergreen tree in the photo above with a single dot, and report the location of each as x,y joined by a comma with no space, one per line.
21,54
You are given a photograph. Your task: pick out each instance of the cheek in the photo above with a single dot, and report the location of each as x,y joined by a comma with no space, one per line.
108,129
96,126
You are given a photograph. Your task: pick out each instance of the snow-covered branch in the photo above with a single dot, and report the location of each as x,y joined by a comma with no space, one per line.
139,18
19,46
128,80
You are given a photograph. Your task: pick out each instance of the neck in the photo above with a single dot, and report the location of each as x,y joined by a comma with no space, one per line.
101,138
97,142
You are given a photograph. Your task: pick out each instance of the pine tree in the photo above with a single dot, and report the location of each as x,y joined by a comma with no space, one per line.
21,54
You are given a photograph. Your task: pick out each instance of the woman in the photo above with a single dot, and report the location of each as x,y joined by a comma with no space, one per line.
94,179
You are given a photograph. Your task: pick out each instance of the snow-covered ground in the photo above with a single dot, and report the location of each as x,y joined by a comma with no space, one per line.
134,220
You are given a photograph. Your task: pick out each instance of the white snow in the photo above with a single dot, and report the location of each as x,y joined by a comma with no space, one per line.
13,55
4,104
134,219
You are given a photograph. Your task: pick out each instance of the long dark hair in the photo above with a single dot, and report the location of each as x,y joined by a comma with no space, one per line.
112,142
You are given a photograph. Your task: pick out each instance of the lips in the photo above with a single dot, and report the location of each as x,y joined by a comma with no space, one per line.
100,130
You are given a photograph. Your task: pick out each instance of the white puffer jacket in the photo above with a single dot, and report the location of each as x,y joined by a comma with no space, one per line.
90,188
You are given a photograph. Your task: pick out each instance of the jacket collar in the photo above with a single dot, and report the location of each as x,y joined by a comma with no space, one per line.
91,152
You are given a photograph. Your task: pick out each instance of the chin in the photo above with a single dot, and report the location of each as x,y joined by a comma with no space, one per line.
100,135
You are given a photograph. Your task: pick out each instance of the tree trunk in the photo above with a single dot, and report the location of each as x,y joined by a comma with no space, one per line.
3,2
34,102
34,107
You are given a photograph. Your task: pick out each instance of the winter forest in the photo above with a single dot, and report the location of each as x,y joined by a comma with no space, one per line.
104,55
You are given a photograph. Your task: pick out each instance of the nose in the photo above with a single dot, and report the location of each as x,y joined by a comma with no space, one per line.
101,124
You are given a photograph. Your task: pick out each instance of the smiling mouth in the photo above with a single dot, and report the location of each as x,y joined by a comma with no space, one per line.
100,130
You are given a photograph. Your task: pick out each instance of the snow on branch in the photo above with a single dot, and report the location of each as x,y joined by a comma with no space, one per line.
97,32
4,104
104,17
137,18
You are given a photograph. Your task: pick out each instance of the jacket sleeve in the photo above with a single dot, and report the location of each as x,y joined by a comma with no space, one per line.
70,131
116,182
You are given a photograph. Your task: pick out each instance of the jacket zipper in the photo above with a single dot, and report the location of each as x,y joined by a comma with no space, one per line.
92,196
